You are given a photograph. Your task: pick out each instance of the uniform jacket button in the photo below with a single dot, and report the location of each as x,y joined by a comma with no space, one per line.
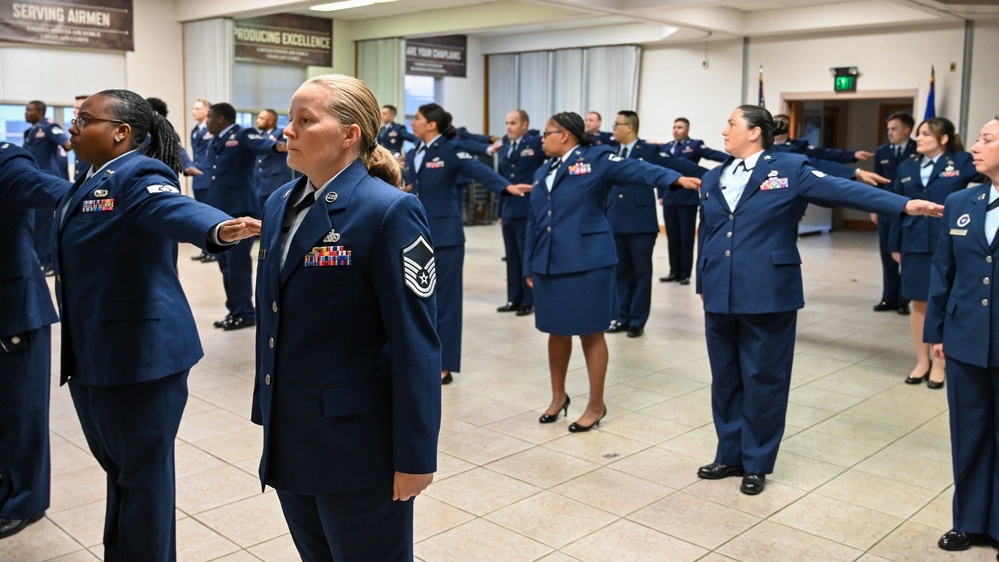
728,252
270,343
267,379
274,306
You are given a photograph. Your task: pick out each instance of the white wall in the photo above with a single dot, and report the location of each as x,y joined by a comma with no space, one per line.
984,101
464,97
674,83
887,59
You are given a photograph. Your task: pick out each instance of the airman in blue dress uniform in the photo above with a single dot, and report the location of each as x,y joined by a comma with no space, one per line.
392,135
887,158
749,274
25,341
432,171
230,168
632,216
570,257
520,155
347,348
272,167
941,168
962,323
116,281
600,138
47,142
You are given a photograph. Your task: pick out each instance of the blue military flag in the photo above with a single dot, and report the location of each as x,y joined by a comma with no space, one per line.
931,102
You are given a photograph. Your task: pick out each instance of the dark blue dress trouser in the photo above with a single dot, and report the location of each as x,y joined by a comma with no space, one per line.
680,221
131,431
973,397
634,277
358,526
751,357
25,463
514,235
237,278
449,260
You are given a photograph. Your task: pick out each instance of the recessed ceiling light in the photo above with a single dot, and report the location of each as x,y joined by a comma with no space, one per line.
346,5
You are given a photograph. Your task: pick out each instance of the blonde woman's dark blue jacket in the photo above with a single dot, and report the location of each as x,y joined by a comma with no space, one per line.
348,358
117,249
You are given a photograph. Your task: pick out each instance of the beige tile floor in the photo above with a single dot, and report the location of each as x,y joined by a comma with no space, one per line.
863,473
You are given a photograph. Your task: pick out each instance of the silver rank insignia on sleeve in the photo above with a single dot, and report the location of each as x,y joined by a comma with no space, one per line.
419,269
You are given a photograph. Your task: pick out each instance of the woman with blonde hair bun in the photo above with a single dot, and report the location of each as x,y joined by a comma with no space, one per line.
347,349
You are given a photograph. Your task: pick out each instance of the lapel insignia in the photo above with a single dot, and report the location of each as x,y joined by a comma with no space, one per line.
419,269
98,193
331,197
964,220
332,237
108,172
981,197
287,193
767,157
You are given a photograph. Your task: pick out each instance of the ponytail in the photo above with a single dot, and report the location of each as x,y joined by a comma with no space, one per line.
382,165
164,143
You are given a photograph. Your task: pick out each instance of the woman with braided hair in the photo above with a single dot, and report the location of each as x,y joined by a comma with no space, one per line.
128,336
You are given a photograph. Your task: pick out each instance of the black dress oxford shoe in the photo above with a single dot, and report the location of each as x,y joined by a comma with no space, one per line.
903,310
669,279
753,484
10,527
508,307
617,327
885,306
717,471
221,323
525,310
239,322
954,540
685,281
635,332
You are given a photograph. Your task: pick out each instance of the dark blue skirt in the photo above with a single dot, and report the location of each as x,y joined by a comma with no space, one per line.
574,304
916,276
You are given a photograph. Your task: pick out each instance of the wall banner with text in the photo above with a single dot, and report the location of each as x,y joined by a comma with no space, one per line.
88,24
437,56
285,39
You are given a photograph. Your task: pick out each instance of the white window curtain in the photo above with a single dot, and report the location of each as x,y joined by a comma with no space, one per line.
503,88
265,86
381,64
612,83
535,88
543,83
209,51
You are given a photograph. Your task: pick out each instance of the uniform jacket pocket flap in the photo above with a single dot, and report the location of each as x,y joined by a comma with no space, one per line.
788,256
10,269
357,397
131,310
594,227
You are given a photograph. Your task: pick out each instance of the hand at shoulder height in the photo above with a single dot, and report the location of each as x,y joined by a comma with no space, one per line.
234,230
923,207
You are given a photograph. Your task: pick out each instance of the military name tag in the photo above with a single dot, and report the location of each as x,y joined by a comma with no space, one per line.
958,232
97,205
906,180
327,256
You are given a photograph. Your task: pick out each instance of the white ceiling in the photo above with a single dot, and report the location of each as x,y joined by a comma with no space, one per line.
692,19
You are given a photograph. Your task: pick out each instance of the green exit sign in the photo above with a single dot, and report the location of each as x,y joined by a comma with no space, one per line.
845,84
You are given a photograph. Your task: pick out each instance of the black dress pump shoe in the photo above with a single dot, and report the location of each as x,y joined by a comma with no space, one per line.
447,379
934,385
576,428
551,418
913,380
